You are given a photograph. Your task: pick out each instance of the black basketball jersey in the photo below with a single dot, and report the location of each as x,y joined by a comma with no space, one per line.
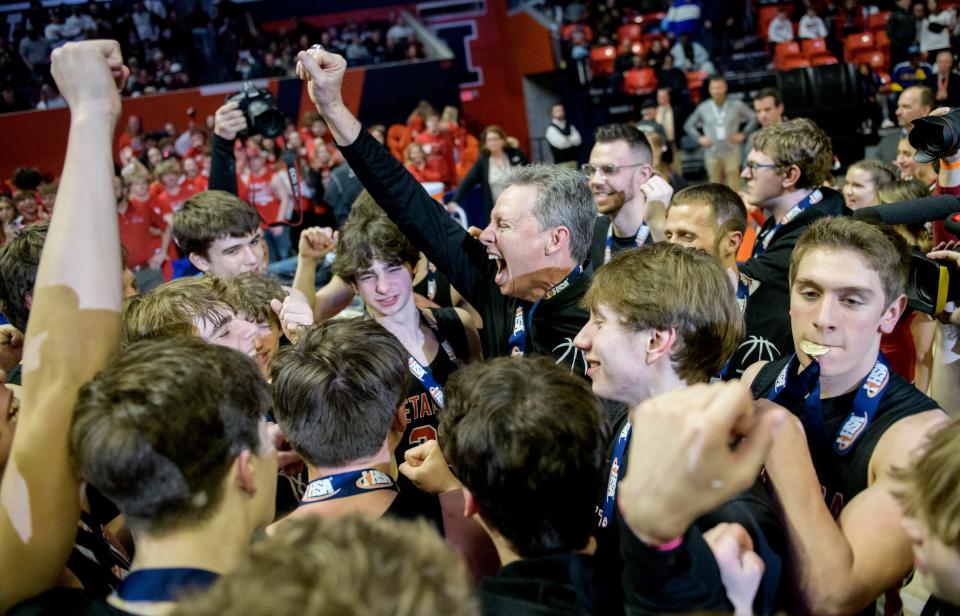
842,477
419,406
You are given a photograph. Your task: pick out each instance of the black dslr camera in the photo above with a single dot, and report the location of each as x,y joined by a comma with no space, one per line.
936,136
263,118
932,286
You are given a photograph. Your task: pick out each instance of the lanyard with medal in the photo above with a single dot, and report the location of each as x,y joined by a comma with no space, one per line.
169,584
522,322
794,387
605,510
764,239
638,240
349,483
422,373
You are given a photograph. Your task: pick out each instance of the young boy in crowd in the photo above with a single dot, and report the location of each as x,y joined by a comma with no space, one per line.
220,234
662,319
337,399
527,443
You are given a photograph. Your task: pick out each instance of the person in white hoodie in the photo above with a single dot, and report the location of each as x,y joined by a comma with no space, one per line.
936,28
780,29
811,25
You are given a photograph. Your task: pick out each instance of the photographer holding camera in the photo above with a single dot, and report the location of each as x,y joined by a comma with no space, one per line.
937,137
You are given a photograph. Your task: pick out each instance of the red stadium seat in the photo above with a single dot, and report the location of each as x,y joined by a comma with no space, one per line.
567,31
855,43
791,63
695,81
629,32
640,81
646,39
602,60
648,19
875,59
398,138
881,39
639,49
878,22
813,47
787,50
823,59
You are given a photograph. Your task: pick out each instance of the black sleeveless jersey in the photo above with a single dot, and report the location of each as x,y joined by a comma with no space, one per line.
420,413
418,406
843,477
441,296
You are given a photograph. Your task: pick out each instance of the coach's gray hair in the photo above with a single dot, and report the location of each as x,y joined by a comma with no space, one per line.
563,199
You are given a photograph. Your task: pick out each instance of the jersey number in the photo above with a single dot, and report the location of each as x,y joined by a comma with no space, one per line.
422,434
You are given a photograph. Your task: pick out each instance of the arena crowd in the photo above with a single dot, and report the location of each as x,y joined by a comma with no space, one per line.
230,391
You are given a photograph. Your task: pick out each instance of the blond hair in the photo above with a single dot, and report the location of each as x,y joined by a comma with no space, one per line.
930,485
347,566
666,286
884,250
174,309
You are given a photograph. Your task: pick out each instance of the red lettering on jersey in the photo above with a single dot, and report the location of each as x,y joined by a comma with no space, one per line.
425,408
405,409
422,434
834,504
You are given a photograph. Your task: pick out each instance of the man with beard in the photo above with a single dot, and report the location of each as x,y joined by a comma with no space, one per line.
623,185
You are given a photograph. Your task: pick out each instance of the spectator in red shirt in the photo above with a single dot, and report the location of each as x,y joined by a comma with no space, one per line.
192,175
261,188
139,194
48,194
7,214
416,163
133,136
28,207
198,142
175,190
138,183
136,220
439,149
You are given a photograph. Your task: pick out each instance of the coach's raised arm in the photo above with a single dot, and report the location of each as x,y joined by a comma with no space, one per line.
524,274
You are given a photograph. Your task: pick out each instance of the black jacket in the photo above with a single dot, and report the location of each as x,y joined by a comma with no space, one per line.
901,28
479,173
767,316
556,585
223,166
953,88
682,580
463,260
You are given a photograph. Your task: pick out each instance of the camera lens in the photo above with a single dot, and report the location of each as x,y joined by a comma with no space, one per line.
935,136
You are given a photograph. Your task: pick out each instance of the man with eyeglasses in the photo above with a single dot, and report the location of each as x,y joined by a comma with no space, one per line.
624,186
784,172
